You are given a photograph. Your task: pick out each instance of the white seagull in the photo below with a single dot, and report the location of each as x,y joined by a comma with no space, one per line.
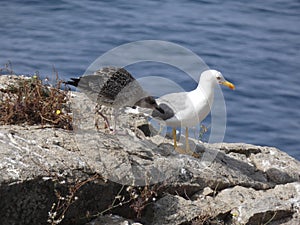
187,109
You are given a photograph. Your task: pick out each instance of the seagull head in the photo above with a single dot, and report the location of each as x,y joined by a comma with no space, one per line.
216,77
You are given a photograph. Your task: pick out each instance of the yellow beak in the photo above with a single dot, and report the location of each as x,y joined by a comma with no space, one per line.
228,84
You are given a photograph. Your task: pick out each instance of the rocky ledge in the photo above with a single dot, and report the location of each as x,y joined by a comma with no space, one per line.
89,176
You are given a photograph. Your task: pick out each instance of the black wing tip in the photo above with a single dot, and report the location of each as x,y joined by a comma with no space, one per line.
74,81
165,115
158,108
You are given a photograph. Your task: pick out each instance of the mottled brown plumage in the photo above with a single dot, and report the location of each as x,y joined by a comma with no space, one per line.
114,87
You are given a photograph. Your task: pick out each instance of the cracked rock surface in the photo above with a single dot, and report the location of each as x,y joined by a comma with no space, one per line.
93,177
243,184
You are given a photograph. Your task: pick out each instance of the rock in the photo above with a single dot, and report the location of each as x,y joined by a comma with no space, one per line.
172,209
238,205
112,219
10,80
248,206
89,176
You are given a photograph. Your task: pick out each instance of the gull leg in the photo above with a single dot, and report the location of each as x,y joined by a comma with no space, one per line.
174,137
187,145
107,125
115,131
98,110
177,149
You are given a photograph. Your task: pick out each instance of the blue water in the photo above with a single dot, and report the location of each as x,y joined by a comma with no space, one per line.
255,44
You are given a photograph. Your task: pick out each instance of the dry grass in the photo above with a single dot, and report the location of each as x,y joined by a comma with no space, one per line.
7,68
206,220
60,208
29,101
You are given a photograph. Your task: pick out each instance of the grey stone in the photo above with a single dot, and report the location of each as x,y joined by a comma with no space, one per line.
240,205
137,177
112,219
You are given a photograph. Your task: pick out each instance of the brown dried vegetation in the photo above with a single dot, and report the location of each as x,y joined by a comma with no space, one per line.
29,101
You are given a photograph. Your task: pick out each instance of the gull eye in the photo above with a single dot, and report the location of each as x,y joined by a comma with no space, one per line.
218,78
